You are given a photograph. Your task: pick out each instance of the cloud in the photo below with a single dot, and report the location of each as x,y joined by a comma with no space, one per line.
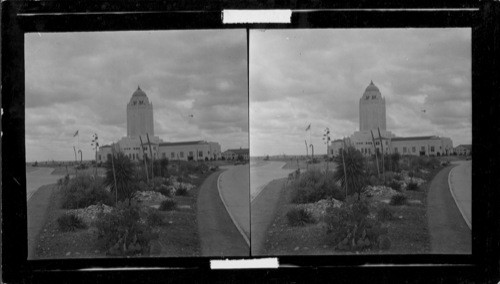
317,76
85,80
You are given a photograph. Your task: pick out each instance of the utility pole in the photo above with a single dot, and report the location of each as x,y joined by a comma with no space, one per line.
145,163
376,156
114,174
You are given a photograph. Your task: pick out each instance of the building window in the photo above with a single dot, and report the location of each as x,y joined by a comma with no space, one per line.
422,148
200,154
395,149
413,149
181,154
172,155
432,148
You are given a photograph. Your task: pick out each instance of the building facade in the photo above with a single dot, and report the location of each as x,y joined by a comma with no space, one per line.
463,149
141,143
373,137
233,154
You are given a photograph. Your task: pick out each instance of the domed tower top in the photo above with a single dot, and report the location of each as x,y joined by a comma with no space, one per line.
372,92
139,97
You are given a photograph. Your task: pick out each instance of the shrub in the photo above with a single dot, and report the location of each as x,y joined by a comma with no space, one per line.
412,186
70,222
120,173
313,185
395,185
299,217
351,229
154,219
120,233
398,199
82,191
168,205
385,214
353,173
182,191
374,181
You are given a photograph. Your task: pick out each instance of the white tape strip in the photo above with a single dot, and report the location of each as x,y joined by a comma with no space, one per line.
271,262
256,16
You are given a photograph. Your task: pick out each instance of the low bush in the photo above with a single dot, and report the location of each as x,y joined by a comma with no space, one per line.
385,214
398,199
314,185
155,219
412,186
395,185
374,181
121,234
70,222
299,217
82,191
182,191
352,230
168,205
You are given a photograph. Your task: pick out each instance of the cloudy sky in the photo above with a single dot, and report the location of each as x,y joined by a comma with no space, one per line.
83,81
302,77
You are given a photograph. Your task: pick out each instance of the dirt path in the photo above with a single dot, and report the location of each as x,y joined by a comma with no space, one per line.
37,215
264,208
219,236
449,232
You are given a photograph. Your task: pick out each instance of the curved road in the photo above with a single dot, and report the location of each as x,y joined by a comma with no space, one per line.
38,177
448,229
460,181
219,235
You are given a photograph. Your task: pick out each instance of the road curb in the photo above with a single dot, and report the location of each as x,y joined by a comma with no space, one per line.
229,212
455,198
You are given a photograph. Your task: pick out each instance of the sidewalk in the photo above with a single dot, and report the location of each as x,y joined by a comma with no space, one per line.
234,189
460,180
37,213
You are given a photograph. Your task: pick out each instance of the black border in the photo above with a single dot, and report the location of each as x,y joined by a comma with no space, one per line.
68,16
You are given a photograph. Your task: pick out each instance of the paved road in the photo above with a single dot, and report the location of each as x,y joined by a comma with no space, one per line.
39,177
37,212
449,232
461,186
234,188
219,236
264,208
263,172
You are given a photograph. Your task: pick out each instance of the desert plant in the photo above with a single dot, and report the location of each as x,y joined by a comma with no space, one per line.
395,185
83,191
299,217
314,185
120,232
385,214
412,186
352,174
398,199
350,227
120,181
182,191
154,219
70,222
168,205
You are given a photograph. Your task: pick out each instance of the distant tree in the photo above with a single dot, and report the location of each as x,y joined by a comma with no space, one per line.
35,164
353,174
124,173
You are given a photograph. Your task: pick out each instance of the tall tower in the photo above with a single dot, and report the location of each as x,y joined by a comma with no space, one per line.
139,115
372,109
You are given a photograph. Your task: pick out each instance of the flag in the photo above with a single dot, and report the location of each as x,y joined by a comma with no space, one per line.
308,127
76,133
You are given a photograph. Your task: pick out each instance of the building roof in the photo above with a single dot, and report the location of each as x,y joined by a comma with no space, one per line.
238,151
183,143
466,146
412,138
